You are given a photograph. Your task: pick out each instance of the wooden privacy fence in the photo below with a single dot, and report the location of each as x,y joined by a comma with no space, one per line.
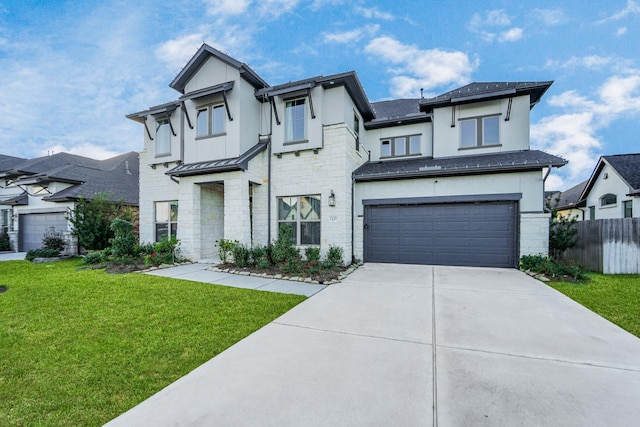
609,246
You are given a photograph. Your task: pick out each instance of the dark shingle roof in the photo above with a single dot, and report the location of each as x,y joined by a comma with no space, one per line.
628,166
461,165
479,91
569,198
397,111
117,176
8,162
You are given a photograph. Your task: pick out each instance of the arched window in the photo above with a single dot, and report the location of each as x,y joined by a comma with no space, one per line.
608,199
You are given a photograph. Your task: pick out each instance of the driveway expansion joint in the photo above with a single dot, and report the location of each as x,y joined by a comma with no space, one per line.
332,331
545,359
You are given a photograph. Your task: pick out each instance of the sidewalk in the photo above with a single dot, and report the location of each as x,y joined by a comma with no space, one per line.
201,273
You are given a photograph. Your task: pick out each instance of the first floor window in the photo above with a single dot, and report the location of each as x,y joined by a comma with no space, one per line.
592,212
400,146
627,209
166,220
163,137
608,199
5,214
300,215
480,131
295,120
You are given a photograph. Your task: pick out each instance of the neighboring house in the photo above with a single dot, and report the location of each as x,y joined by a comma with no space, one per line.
37,194
447,180
613,190
568,203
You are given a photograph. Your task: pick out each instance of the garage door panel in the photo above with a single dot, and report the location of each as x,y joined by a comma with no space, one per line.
467,234
32,228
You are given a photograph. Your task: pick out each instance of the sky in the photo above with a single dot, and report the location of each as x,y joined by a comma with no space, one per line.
71,70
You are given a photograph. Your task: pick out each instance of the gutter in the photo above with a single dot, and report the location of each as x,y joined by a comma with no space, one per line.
544,180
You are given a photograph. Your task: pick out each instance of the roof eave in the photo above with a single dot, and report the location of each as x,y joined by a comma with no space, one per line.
397,122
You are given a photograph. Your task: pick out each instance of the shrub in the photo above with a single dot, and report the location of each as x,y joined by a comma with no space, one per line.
225,249
550,267
42,253
241,255
54,240
4,241
164,252
93,258
312,254
124,243
283,248
91,221
334,256
260,257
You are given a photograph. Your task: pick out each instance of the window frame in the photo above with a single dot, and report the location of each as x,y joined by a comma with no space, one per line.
605,200
210,111
163,124
356,129
290,121
592,212
171,223
627,205
392,142
479,131
299,221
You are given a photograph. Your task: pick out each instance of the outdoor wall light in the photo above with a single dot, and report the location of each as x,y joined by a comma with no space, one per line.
332,198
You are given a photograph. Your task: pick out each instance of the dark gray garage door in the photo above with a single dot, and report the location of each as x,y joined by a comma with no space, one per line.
34,226
465,234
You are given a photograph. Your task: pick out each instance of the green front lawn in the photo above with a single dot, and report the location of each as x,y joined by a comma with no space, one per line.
614,297
81,347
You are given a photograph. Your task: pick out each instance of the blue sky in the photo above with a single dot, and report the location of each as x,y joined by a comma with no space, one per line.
71,70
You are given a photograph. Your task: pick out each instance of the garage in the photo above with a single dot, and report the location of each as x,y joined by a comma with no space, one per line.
480,233
34,226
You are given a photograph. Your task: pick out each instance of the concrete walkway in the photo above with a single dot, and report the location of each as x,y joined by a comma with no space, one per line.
416,346
12,256
201,273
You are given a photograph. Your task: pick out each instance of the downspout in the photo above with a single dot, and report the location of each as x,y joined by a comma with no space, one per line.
269,176
353,220
544,179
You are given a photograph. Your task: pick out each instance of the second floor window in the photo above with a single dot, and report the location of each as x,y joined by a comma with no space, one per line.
400,146
163,138
479,132
210,121
295,120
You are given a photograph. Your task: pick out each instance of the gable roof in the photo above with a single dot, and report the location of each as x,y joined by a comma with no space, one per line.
568,199
484,91
627,166
116,176
514,161
349,80
8,162
201,56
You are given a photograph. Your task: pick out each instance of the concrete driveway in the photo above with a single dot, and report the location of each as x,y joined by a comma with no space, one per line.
416,346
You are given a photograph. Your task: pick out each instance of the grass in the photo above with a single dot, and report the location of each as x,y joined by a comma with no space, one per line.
81,347
614,297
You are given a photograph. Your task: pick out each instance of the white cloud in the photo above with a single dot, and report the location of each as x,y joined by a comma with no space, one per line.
87,150
178,51
511,35
486,25
574,132
632,8
347,37
550,17
621,31
416,68
374,13
227,7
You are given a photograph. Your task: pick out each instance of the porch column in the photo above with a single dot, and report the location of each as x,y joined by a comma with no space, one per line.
189,220
237,220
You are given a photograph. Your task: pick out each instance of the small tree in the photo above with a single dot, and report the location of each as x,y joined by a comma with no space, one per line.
91,221
562,231
4,241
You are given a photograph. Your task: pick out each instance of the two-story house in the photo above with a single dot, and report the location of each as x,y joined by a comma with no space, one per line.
448,180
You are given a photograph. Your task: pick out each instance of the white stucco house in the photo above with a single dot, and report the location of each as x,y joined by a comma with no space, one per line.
613,190
447,180
36,195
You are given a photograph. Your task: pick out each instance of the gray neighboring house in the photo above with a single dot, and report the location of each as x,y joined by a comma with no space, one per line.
37,194
568,202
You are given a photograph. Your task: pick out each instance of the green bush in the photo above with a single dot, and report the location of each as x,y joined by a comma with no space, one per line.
164,252
4,241
241,255
260,257
334,256
94,258
225,249
312,254
42,253
54,240
550,267
283,248
124,243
